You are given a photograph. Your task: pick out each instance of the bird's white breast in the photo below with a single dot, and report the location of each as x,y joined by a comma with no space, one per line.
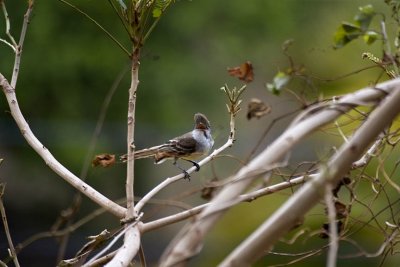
204,140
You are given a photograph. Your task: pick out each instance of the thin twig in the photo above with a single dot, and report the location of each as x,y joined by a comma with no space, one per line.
378,253
13,44
121,18
102,260
71,228
98,25
302,257
369,154
266,131
388,50
7,43
18,52
251,196
12,251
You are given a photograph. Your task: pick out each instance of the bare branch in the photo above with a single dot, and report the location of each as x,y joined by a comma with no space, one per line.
369,154
333,229
125,254
128,251
131,245
18,52
130,169
13,44
12,251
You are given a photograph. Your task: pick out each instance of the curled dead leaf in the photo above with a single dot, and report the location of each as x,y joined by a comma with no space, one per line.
325,229
209,190
342,211
345,181
257,109
243,72
103,160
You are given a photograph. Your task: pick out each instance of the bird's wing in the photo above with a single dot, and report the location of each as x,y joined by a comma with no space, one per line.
183,145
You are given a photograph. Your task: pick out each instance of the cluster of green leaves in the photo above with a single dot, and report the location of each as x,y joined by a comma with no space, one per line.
359,27
280,81
282,78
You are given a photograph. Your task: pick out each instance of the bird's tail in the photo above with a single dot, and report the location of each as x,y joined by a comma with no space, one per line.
147,152
143,153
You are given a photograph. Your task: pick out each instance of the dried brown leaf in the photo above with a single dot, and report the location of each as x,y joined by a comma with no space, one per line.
257,109
103,160
243,72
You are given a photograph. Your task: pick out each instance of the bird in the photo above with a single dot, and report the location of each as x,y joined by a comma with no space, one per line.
188,146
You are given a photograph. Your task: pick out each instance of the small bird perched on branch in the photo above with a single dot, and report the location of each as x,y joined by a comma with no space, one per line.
188,146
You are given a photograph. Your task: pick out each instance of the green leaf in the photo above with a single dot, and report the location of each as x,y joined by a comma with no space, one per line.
159,7
364,16
350,27
280,80
370,37
157,12
345,34
367,10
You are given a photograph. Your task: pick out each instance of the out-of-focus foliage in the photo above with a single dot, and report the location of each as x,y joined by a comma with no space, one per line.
359,27
280,80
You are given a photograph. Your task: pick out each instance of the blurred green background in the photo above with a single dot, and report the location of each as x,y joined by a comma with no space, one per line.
69,65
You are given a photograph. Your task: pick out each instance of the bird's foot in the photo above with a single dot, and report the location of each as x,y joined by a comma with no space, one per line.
187,176
185,173
195,164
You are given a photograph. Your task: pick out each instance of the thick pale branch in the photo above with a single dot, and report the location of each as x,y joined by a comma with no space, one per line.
261,240
49,159
128,251
149,226
130,165
307,122
333,228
